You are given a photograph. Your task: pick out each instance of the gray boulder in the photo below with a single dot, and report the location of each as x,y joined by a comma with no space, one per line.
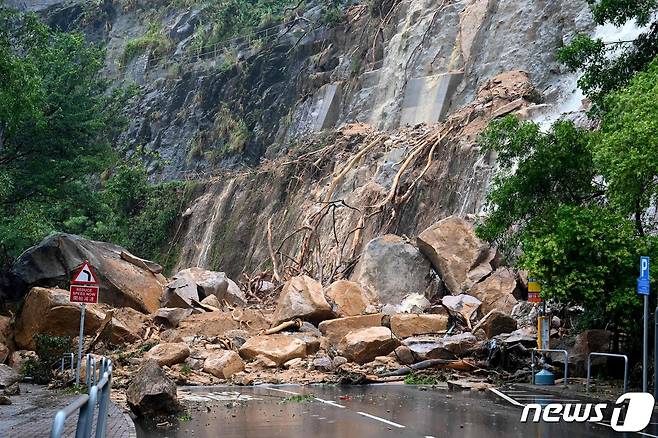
125,280
392,268
460,258
195,284
433,347
151,393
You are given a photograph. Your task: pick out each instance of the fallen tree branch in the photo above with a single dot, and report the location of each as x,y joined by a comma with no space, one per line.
296,323
459,365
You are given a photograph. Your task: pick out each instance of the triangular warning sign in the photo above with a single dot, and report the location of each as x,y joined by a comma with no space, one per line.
85,275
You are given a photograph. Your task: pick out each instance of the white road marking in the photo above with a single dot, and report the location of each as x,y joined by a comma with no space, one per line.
503,396
282,390
329,402
374,417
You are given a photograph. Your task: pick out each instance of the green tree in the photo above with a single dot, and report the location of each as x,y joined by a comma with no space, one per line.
607,67
575,203
55,125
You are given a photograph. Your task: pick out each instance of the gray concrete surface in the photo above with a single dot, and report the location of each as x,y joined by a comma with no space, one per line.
360,412
31,415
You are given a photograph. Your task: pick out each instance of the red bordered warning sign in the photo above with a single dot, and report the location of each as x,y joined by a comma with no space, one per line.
85,275
84,285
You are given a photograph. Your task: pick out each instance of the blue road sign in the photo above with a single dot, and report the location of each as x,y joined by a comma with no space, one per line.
643,281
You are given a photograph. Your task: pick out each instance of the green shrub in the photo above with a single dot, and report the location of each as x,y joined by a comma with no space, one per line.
50,350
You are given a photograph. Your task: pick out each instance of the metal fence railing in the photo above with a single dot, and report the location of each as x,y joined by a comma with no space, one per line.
566,362
621,356
99,395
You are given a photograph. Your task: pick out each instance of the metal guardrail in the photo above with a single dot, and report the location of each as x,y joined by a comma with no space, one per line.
621,356
548,350
71,358
99,394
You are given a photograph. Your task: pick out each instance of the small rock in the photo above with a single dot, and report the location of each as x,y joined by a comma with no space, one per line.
170,336
414,303
171,316
8,376
213,301
168,354
339,360
323,363
404,355
4,400
464,305
223,364
293,364
14,389
364,345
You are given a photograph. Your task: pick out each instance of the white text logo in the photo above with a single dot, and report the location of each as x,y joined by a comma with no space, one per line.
638,414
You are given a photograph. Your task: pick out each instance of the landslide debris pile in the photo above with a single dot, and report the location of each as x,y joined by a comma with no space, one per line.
440,300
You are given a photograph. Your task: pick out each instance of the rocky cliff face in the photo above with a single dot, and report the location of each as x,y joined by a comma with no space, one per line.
266,121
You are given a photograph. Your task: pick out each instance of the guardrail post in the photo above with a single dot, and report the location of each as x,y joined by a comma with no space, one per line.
58,425
101,425
621,356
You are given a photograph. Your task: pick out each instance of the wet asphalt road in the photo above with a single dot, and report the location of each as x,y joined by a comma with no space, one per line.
360,412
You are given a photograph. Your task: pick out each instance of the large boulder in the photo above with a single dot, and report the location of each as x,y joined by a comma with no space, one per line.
461,305
335,329
278,348
593,340
195,284
392,268
450,347
496,291
128,325
460,258
302,297
125,280
348,298
364,345
495,323
168,354
151,393
210,324
405,325
48,311
223,364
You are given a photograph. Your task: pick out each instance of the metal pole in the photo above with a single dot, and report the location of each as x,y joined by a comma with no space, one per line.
655,355
645,360
80,339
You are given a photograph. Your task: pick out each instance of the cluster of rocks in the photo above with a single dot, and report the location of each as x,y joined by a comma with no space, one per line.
443,295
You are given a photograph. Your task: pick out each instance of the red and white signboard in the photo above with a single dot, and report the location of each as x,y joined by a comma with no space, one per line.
84,286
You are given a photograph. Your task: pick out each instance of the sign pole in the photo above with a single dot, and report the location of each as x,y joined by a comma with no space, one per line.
80,339
643,288
645,351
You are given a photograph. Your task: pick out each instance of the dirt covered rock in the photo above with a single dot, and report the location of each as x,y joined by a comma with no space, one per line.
151,393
